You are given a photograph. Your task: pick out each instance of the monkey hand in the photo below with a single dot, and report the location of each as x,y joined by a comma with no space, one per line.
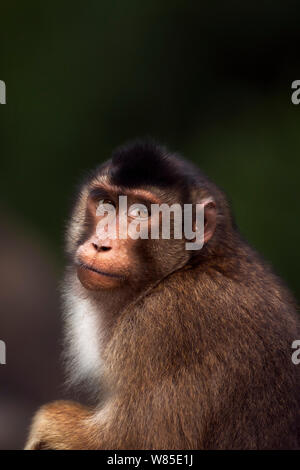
59,425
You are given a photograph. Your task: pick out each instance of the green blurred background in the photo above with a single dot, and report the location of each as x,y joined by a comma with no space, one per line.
211,80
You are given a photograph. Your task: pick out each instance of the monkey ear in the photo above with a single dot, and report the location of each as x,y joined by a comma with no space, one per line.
210,218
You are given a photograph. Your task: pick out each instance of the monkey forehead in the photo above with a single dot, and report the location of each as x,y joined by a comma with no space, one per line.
103,183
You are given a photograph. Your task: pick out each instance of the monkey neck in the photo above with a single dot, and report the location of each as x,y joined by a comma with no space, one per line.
110,303
105,305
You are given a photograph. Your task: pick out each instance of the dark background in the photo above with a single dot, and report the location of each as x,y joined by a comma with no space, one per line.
211,80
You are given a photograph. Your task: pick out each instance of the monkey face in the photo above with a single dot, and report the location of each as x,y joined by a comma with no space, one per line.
116,248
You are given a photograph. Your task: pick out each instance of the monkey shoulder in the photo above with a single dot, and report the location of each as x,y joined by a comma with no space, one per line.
250,305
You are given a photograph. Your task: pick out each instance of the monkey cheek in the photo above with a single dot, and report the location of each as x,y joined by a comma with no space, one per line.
94,281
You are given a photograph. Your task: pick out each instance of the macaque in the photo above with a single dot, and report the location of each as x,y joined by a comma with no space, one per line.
186,349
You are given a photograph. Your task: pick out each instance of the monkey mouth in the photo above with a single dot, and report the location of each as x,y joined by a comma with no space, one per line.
80,264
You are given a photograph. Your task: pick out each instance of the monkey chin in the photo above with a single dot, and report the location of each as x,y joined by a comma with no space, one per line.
95,280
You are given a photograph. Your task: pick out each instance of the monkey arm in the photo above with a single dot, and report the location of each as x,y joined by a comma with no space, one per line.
61,425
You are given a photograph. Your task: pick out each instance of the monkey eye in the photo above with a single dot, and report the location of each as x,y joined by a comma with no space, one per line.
107,201
105,205
138,211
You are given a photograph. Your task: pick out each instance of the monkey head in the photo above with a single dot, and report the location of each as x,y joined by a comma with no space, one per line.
146,175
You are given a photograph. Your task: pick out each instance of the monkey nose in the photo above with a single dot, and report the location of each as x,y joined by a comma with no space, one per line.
98,247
